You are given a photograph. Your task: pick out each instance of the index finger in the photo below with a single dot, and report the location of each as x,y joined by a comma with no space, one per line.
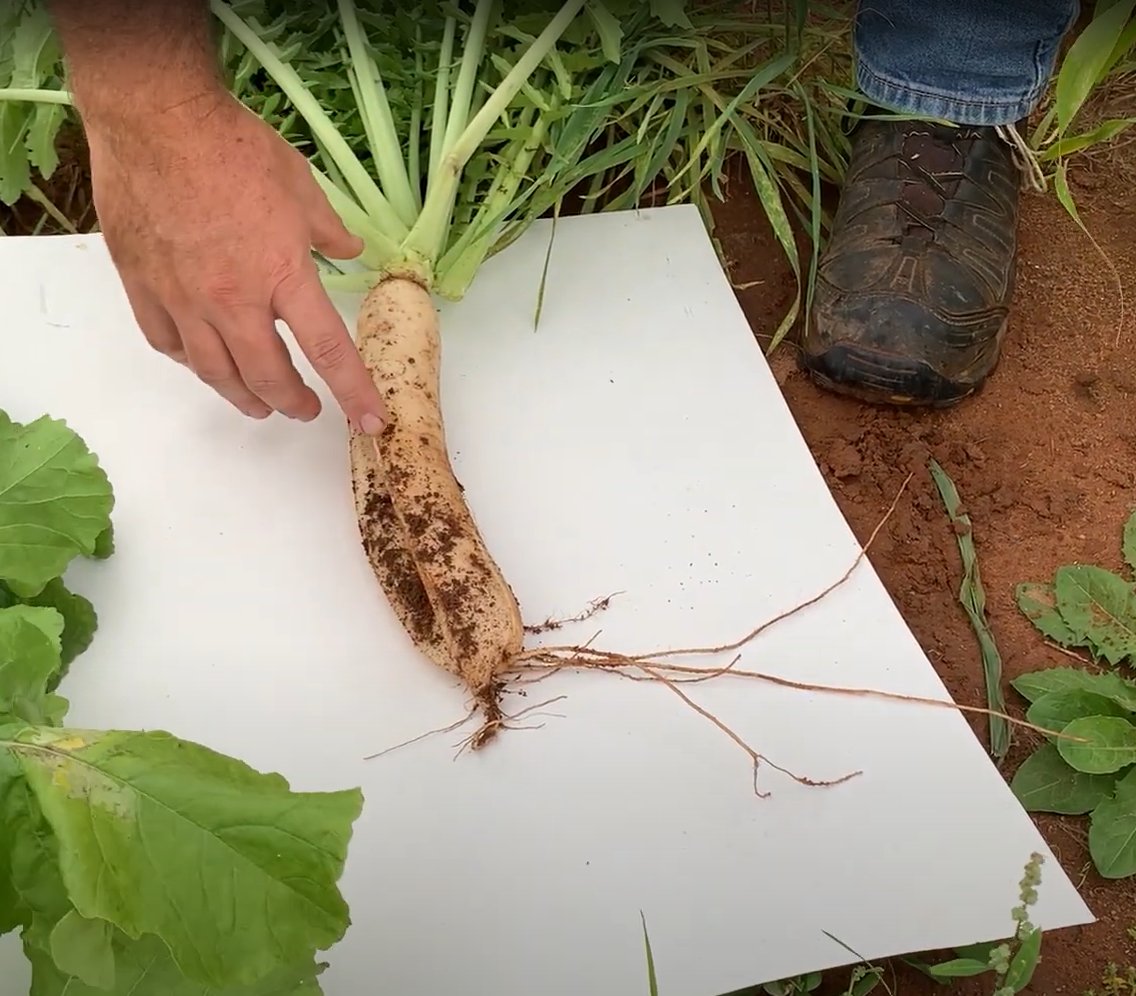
303,304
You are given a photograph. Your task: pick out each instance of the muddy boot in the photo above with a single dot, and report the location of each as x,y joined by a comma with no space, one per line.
914,286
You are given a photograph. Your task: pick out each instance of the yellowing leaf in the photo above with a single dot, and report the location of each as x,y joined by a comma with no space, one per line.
234,872
1099,608
1039,604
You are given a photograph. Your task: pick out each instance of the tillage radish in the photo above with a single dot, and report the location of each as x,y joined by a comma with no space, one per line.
418,532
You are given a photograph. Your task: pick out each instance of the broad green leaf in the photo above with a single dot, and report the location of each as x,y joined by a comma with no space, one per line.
79,618
29,659
1024,962
1044,783
233,871
82,948
12,796
1038,602
1129,542
1110,746
958,968
978,952
1099,608
145,968
104,545
1085,59
1055,710
1112,832
31,889
55,502
1035,684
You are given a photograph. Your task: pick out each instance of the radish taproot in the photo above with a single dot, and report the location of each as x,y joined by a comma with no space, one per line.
419,534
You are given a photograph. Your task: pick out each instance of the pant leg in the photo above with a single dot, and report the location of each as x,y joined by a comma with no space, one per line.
976,62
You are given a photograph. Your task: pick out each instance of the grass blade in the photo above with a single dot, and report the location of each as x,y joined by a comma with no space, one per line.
973,599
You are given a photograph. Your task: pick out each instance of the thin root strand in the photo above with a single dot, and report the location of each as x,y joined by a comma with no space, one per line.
538,663
596,606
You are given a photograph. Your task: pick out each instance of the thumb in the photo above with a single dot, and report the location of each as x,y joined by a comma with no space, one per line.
329,235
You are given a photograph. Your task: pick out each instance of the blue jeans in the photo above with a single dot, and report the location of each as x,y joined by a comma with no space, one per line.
970,62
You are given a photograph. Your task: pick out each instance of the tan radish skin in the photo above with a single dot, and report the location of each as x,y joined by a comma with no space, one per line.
419,535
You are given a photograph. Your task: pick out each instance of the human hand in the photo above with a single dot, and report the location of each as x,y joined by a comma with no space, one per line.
209,216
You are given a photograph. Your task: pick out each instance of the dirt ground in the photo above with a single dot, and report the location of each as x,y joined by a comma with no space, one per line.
1045,461
1044,458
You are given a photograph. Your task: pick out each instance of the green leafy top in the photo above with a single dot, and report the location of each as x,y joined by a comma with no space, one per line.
455,128
29,60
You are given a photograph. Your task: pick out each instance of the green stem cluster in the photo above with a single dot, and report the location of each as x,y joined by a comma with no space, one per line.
407,232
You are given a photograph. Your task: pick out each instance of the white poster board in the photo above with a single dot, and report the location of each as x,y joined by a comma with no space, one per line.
635,442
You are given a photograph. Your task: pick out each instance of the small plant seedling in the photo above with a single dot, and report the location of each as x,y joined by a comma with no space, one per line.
1094,775
792,987
1013,961
1088,607
1116,981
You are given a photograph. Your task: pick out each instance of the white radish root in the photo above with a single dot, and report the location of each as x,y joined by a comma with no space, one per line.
417,530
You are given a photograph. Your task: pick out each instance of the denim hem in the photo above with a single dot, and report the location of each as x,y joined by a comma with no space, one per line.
927,102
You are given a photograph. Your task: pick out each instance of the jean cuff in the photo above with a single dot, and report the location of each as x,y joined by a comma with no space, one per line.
927,102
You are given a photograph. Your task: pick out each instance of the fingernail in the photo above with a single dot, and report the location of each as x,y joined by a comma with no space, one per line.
372,425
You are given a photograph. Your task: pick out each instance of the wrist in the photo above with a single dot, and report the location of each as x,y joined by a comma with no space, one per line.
163,110
139,66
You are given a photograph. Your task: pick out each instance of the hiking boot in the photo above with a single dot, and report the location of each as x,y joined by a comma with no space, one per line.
914,286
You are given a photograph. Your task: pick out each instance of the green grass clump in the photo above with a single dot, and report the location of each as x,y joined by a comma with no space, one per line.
662,95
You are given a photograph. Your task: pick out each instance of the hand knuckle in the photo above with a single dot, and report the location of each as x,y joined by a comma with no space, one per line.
212,374
329,352
284,272
262,384
224,289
